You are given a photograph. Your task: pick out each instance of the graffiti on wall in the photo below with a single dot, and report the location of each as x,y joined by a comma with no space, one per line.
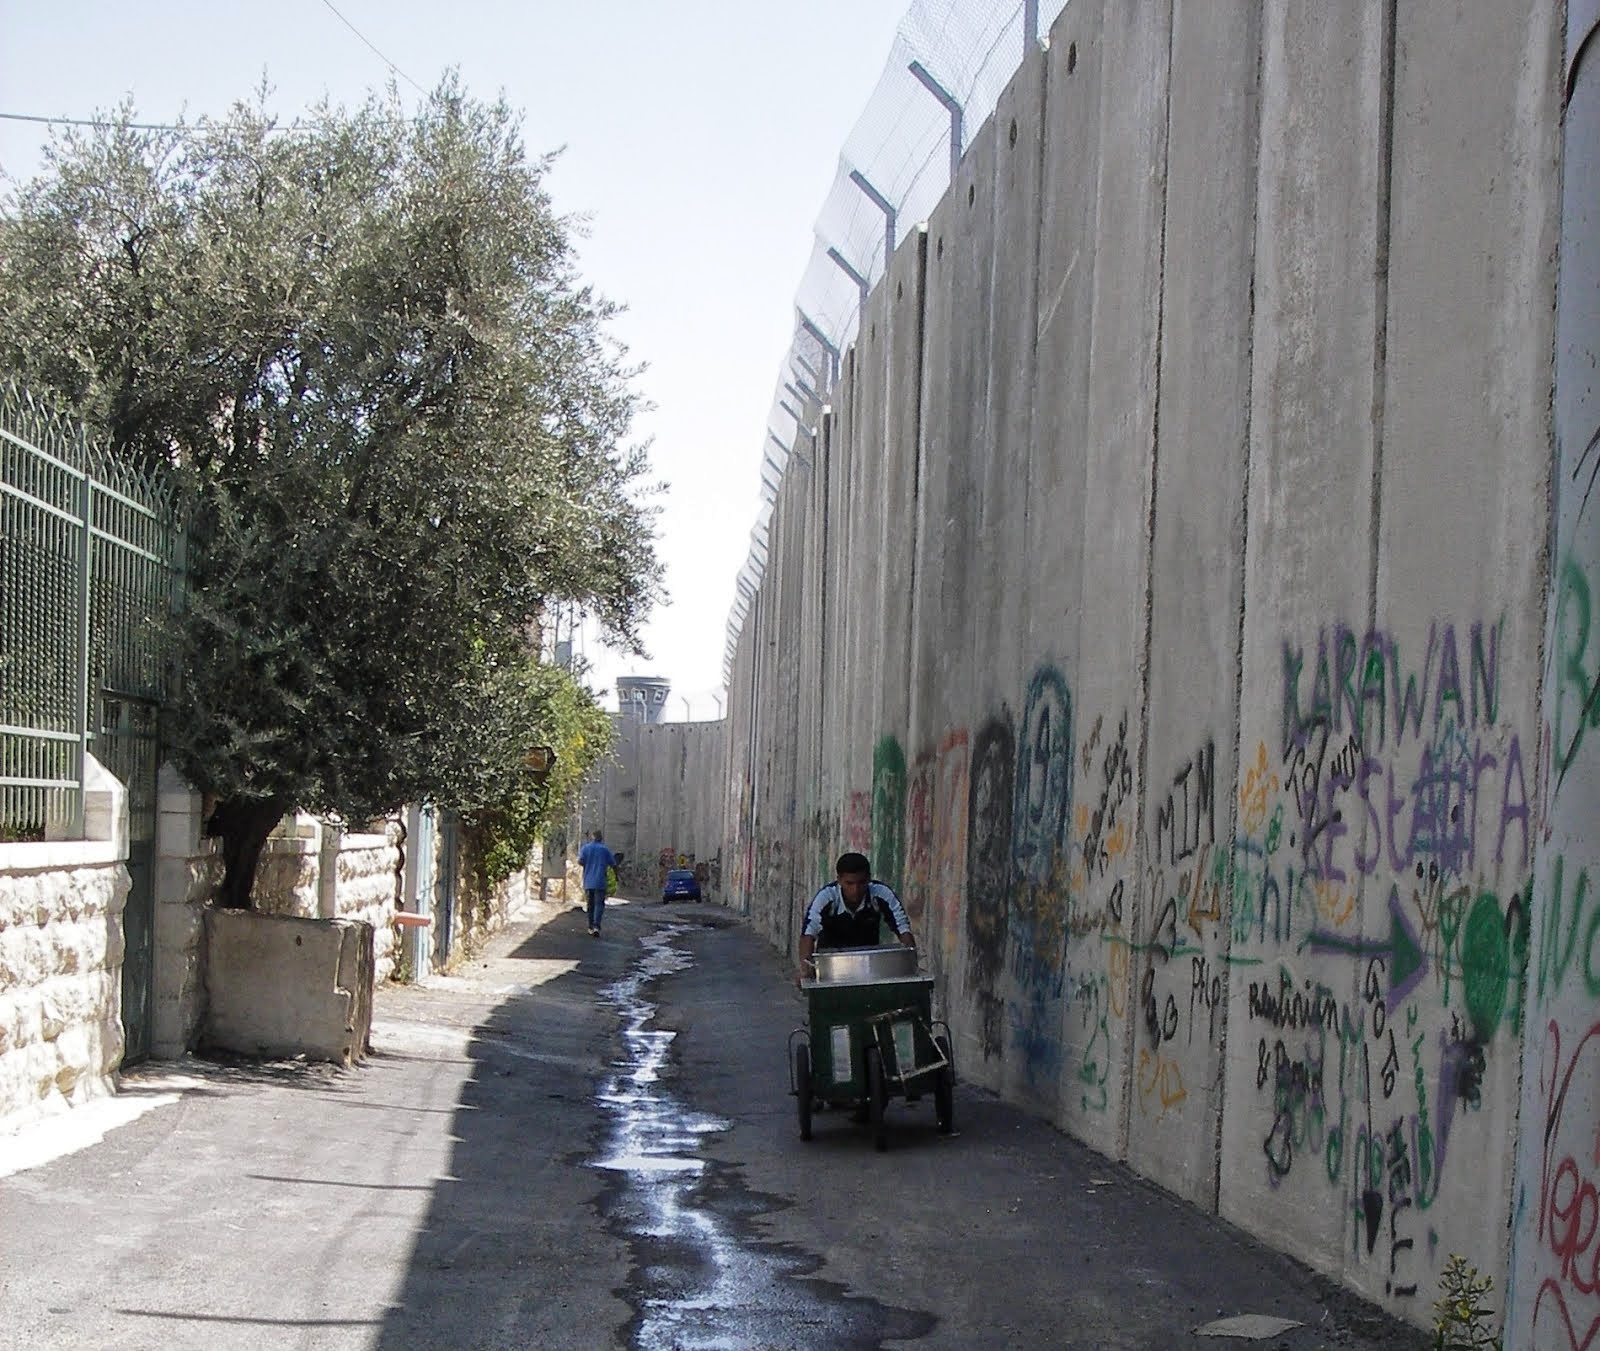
1098,954
1567,1219
889,812
1377,889
1179,995
858,822
1393,757
1576,703
990,789
951,804
1036,932
921,794
1557,1215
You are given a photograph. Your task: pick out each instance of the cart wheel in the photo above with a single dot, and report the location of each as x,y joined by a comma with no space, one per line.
802,1087
944,1090
877,1099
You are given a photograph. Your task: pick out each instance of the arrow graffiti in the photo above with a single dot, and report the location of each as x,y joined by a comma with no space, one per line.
1406,962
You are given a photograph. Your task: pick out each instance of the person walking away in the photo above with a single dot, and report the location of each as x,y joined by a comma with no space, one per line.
595,859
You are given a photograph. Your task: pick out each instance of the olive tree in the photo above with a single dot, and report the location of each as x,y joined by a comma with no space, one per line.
399,421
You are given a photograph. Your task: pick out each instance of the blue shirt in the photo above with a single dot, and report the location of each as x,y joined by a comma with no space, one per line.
594,858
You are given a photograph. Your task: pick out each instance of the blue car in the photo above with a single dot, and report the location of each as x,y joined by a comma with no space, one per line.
680,886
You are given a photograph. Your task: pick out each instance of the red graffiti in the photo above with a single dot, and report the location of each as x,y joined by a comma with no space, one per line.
1569,1201
858,822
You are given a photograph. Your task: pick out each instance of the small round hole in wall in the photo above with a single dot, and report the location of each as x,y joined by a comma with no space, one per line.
972,193
1072,57
1011,136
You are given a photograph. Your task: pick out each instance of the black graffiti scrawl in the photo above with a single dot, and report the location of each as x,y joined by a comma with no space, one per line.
994,755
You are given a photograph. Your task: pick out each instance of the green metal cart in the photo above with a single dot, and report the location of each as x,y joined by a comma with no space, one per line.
866,1040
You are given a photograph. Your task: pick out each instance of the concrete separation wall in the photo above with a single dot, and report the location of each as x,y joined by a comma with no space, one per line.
1167,588
1555,1284
659,800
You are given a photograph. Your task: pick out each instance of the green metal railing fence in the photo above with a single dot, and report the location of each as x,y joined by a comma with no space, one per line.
89,554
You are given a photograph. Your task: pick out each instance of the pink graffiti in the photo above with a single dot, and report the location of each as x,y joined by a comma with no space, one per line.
858,822
952,787
1569,1200
919,835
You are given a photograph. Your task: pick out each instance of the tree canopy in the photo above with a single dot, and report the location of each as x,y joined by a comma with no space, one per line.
398,418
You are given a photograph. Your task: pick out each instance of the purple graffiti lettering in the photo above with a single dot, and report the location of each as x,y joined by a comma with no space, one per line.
1508,811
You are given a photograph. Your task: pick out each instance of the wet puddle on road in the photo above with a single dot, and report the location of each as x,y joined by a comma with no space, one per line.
701,1277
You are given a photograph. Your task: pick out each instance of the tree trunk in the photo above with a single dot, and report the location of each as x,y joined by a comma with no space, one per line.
243,825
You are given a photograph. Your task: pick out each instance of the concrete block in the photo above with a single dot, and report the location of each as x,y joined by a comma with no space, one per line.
178,815
286,986
178,1023
105,805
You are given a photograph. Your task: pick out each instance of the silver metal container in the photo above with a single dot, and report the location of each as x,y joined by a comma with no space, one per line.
855,965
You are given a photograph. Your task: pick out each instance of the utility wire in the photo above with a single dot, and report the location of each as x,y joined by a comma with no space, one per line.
89,122
165,126
386,61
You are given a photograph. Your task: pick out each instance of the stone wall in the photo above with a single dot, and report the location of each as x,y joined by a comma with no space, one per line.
311,869
188,872
61,946
367,887
61,932
288,873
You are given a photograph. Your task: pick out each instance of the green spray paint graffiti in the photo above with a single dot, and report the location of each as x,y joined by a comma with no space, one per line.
889,812
1571,931
1577,703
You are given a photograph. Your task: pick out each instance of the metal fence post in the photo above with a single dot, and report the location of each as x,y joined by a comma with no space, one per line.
85,582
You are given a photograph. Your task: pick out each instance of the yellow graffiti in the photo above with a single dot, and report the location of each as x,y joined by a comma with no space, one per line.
1257,787
1117,978
1334,904
1159,1076
1117,841
1205,898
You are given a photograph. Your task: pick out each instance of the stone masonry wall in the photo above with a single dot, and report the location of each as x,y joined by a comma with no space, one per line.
311,870
366,888
60,975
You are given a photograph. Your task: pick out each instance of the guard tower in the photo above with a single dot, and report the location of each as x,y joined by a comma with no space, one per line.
642,698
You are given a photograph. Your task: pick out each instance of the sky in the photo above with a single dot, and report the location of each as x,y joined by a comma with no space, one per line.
698,138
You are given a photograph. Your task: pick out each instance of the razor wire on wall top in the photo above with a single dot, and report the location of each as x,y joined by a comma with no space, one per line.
949,64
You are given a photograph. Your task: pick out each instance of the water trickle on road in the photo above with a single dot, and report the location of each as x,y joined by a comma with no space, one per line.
699,1282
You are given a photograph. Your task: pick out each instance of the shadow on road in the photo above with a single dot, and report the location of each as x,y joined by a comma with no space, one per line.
579,1209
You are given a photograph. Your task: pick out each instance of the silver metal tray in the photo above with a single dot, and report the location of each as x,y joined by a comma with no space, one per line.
853,965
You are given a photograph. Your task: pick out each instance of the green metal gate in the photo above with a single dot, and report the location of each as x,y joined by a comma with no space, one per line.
128,746
89,552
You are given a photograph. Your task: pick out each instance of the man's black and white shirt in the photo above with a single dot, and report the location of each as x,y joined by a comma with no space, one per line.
834,925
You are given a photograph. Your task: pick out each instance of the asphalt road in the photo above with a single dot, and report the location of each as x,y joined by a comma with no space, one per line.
589,1142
